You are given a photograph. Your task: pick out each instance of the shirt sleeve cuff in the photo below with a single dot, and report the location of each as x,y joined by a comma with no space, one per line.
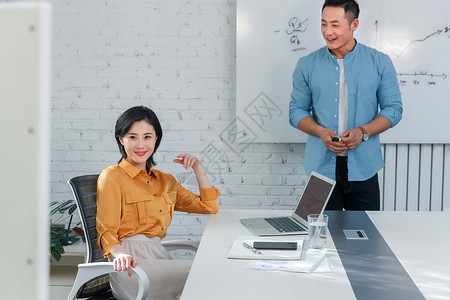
209,194
294,120
107,242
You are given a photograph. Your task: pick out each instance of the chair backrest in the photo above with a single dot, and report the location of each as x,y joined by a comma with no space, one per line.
84,189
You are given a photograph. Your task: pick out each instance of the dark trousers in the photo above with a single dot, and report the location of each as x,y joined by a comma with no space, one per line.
353,195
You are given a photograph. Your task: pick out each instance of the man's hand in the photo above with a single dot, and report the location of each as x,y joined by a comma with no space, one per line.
338,146
354,138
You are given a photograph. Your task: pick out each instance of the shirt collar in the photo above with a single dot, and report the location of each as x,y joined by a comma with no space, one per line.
354,51
131,170
350,54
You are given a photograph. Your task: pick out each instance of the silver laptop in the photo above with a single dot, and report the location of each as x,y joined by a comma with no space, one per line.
313,200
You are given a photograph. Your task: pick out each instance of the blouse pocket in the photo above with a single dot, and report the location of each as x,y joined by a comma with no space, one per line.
140,202
170,199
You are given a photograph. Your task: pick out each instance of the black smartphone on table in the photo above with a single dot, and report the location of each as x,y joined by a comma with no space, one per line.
275,245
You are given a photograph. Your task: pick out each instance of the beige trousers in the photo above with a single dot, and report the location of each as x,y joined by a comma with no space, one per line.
167,277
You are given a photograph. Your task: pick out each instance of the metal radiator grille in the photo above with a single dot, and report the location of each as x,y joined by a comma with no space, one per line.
416,177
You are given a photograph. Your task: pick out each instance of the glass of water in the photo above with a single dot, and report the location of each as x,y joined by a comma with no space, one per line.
317,230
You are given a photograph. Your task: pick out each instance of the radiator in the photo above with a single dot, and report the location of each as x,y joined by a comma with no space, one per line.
416,177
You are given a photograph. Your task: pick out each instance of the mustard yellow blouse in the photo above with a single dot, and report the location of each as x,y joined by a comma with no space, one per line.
130,201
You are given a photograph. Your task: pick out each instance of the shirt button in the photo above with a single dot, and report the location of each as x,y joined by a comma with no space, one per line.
335,116
333,157
335,100
160,210
337,68
336,83
154,195
148,181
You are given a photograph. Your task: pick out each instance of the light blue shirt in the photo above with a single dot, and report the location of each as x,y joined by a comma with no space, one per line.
372,89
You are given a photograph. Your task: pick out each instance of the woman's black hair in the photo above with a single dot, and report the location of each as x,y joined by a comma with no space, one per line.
126,120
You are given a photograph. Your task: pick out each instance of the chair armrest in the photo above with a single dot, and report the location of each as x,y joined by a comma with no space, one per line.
89,271
180,244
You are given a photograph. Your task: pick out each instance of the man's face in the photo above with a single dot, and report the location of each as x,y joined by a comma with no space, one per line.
337,31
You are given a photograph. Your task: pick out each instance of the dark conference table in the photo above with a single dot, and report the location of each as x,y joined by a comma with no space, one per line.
405,257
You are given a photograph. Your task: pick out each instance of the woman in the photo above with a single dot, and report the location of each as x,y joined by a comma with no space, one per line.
135,205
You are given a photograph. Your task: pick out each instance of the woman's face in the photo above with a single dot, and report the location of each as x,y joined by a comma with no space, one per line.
139,143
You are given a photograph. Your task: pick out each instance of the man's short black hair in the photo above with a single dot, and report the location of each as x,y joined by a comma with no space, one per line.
351,7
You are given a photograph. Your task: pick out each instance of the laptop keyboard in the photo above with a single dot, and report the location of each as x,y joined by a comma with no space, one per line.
285,224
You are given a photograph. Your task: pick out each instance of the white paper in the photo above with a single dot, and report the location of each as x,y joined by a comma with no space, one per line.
314,261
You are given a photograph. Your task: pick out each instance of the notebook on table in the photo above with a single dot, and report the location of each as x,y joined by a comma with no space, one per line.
313,200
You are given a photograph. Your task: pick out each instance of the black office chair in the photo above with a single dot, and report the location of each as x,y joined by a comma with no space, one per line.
92,279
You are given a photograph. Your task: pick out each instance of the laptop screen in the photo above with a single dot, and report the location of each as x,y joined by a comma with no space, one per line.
313,198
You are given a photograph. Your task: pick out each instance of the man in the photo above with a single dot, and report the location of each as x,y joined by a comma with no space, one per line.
335,98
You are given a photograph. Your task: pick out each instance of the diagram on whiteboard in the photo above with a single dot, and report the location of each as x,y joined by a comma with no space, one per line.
295,30
271,37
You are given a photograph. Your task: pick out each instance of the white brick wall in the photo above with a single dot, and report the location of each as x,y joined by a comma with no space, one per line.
179,58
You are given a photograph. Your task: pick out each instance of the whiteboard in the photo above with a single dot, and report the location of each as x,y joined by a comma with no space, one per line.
271,36
25,149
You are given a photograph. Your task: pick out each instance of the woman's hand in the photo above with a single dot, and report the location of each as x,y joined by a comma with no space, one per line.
190,161
124,262
187,160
